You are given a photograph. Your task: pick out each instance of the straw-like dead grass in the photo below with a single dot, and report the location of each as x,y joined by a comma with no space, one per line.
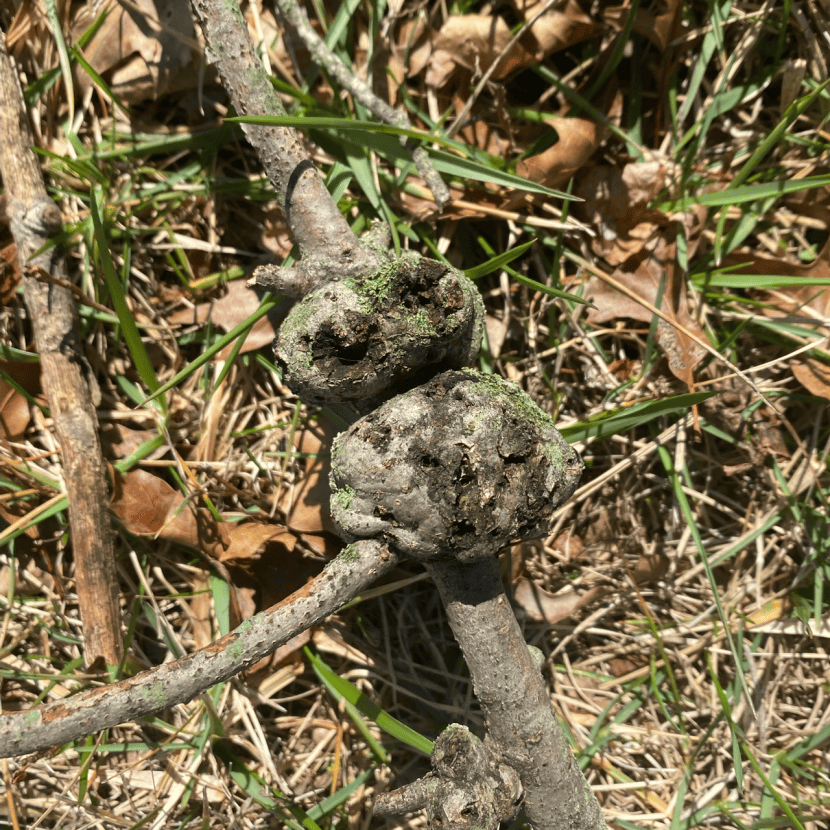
680,720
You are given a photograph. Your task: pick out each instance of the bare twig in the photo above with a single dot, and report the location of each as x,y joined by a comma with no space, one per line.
34,217
360,91
508,683
318,227
181,680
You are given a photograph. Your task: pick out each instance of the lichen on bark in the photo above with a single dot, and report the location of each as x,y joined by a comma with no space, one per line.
364,339
460,466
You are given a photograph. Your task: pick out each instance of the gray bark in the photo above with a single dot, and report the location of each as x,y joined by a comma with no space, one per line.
461,466
470,786
450,473
316,223
513,695
362,341
50,724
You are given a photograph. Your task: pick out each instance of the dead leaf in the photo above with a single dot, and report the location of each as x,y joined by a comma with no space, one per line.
560,27
625,368
805,305
264,566
119,440
10,274
234,307
14,407
148,506
568,544
145,47
260,561
616,204
541,606
653,269
578,140
473,42
813,375
306,505
660,29
650,568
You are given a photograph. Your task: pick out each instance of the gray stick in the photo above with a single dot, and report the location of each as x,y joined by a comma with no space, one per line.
52,724
316,223
510,687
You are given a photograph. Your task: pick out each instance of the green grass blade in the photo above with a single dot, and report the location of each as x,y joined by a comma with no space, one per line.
221,593
685,508
769,787
63,58
99,80
774,137
497,261
446,163
141,359
724,279
335,800
257,790
349,692
747,193
268,302
611,423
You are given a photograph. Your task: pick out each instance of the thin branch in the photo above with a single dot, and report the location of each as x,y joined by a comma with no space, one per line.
34,217
360,91
158,688
318,227
508,683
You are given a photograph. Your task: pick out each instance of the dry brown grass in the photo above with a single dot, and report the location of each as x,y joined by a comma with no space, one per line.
642,673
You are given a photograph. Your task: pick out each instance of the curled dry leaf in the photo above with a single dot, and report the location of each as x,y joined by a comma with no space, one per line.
560,26
10,274
651,271
641,243
148,506
260,560
578,140
650,568
146,46
118,440
539,605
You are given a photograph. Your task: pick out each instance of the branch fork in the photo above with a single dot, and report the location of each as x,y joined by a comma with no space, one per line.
449,472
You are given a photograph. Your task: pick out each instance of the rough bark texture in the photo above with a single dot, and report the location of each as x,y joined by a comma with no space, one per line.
510,687
316,223
181,680
451,472
461,466
34,217
469,786
365,340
